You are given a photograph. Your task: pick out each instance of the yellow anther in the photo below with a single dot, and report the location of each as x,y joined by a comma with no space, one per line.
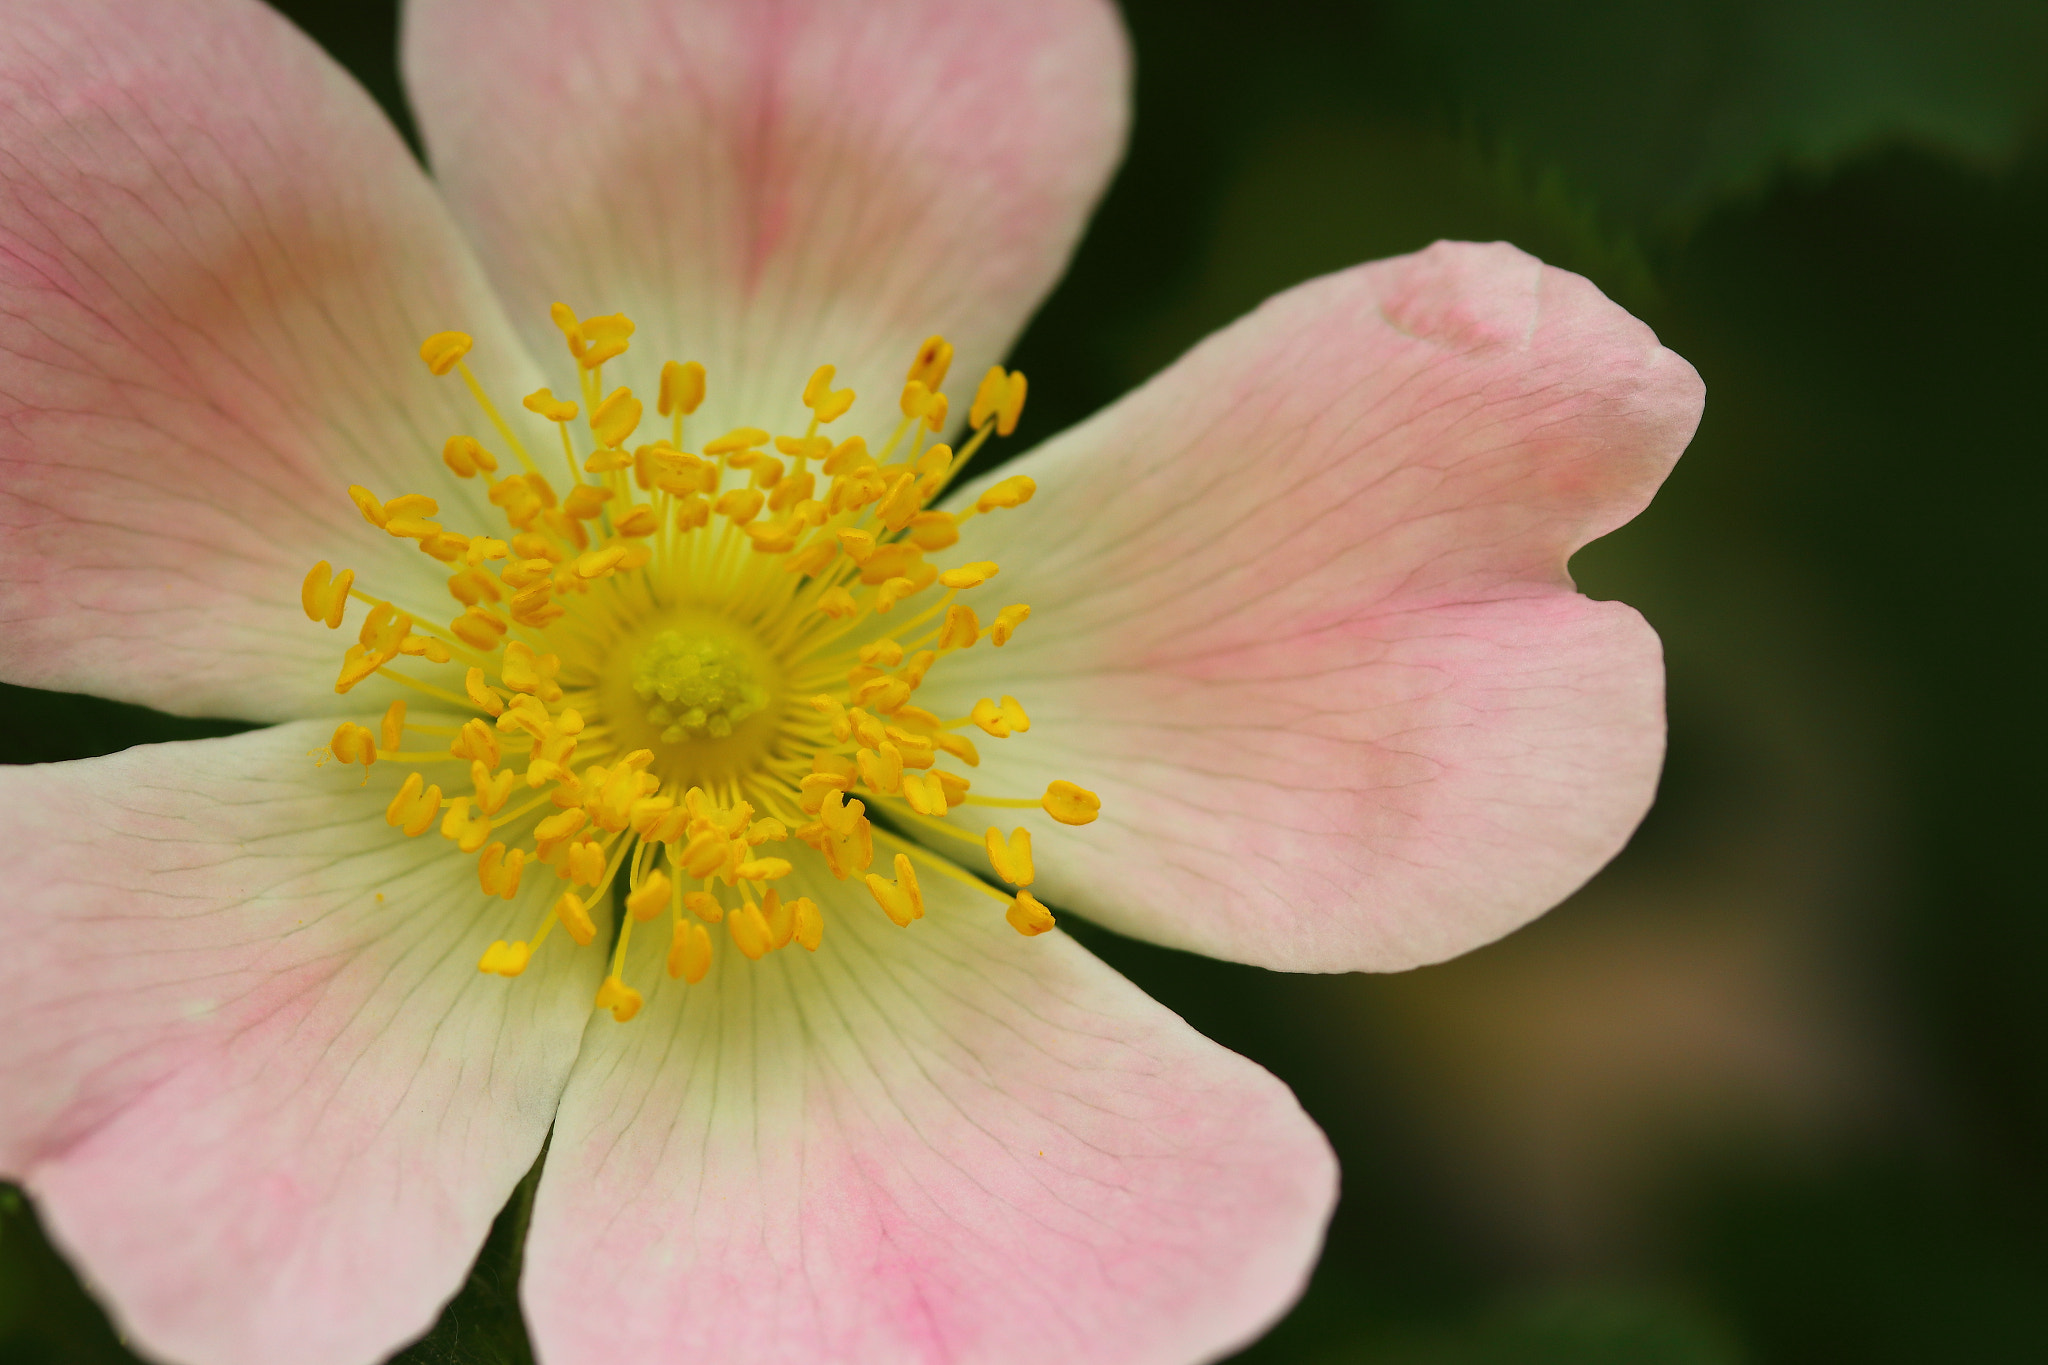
750,932
650,898
1011,859
1006,623
818,385
401,806
353,744
916,398
366,502
970,575
935,413
445,546
505,959
848,455
525,573
1012,405
887,653
574,917
476,740
682,388
741,504
857,544
902,502
598,563
739,438
466,455
838,603
356,665
493,790
606,338
313,591
834,406
616,418
692,513
704,906
923,792
882,769
1027,916
544,402
807,925
989,717
564,317
779,917
884,695
622,1000
481,694
901,900
391,732
1014,717
325,599
954,785
640,520
1014,491
934,358
1069,804
586,863
962,628
498,870
443,351
867,731
586,501
704,854
988,398
478,629
762,869
561,826
689,952
412,505
934,531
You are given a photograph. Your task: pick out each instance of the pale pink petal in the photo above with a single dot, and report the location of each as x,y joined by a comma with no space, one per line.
945,1143
766,187
1301,618
217,263
264,1098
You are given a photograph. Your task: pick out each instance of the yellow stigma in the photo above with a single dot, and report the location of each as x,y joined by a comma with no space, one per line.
700,684
677,664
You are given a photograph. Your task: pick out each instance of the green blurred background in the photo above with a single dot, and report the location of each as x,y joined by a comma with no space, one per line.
1774,1087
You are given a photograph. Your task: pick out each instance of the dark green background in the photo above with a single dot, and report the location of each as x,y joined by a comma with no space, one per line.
1774,1088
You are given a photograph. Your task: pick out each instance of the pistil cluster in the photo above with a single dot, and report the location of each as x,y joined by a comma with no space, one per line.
673,662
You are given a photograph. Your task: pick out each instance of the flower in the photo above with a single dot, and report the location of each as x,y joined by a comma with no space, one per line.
1299,617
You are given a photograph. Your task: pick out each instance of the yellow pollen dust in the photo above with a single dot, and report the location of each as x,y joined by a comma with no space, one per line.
678,661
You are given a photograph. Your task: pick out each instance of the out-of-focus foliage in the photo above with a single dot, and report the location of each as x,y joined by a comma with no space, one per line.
1666,109
1774,1087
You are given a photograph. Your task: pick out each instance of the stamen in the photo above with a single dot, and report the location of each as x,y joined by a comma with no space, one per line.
689,668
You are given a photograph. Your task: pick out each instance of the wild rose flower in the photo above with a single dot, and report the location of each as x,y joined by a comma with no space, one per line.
1298,618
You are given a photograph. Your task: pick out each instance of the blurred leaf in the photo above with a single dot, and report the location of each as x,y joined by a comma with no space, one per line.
1322,191
43,727
1663,109
1581,1326
46,1318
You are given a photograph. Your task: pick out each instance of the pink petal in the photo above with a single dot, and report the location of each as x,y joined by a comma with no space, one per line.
217,263
934,1144
769,187
1302,619
266,1101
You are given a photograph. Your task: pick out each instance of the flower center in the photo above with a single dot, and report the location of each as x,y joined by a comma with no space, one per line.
699,691
699,657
